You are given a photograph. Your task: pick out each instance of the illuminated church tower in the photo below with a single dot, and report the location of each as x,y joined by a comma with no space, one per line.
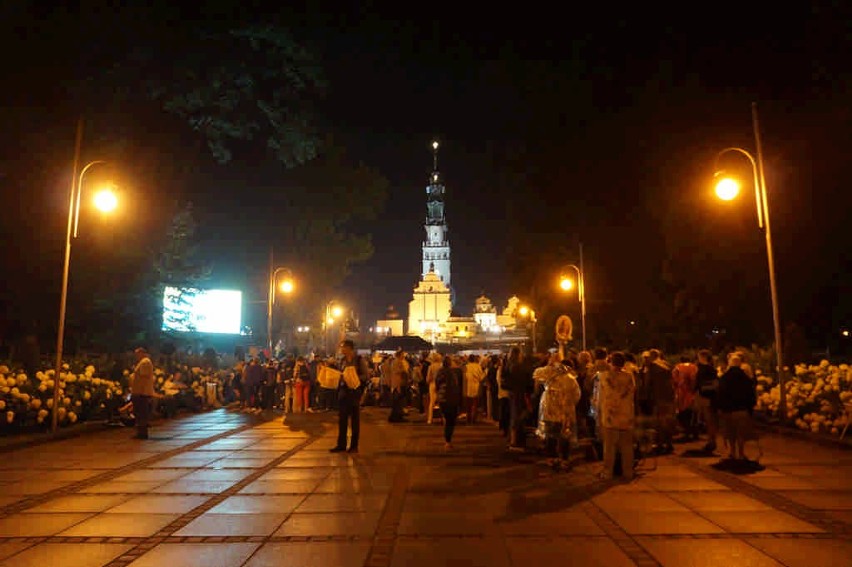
436,247
431,303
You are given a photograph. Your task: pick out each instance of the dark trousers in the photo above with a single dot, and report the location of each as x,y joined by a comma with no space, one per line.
397,406
268,396
471,408
557,447
142,411
504,411
350,409
450,413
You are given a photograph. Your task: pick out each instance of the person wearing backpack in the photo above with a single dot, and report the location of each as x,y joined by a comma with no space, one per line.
707,385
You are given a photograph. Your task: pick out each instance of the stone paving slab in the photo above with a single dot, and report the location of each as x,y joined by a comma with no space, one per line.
706,553
405,501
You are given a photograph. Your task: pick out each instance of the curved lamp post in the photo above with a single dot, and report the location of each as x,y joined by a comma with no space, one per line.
106,201
566,283
727,189
287,286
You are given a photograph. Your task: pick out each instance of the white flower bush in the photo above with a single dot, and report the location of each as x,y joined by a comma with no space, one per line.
28,400
817,396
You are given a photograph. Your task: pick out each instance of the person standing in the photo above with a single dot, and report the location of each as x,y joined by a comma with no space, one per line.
473,375
707,385
448,387
504,405
662,394
736,399
617,414
400,372
301,385
142,391
517,376
349,398
252,379
557,422
683,378
434,367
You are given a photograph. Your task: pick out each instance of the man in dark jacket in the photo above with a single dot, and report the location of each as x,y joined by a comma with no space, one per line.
736,399
349,399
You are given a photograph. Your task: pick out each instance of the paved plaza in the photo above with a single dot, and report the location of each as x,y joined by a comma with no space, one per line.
229,489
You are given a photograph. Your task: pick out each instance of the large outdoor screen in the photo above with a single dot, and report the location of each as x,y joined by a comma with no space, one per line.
189,310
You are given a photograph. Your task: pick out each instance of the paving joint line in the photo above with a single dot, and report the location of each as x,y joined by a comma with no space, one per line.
166,534
774,500
624,541
77,486
385,536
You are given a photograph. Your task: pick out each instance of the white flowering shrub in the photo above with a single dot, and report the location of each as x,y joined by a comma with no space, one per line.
27,401
817,396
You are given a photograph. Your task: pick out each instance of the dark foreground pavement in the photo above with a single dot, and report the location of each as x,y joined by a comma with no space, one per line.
222,489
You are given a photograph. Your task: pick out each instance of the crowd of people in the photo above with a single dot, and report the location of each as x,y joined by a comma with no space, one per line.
605,400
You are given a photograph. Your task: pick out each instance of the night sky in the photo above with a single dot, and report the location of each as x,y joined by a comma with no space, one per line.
599,125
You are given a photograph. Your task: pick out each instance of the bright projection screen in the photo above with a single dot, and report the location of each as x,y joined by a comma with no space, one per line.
189,310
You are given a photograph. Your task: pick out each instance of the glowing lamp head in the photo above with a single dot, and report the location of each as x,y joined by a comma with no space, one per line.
524,311
566,283
287,286
106,200
336,311
727,189
435,145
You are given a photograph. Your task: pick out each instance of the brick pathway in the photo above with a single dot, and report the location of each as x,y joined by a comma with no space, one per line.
227,489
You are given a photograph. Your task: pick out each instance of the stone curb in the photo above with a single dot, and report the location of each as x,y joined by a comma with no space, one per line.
834,443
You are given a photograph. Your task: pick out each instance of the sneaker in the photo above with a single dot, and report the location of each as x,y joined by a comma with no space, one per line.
337,450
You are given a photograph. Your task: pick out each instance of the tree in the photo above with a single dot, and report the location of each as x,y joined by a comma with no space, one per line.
252,86
328,203
180,270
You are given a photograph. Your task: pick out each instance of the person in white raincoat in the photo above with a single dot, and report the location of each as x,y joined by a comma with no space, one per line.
557,417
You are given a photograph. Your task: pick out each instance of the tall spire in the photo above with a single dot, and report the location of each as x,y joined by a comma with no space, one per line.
435,146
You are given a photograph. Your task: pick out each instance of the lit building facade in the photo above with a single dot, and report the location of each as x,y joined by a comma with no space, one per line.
430,307
391,325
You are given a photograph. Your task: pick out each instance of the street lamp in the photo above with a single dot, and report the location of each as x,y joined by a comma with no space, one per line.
287,286
332,312
525,311
105,201
567,284
727,189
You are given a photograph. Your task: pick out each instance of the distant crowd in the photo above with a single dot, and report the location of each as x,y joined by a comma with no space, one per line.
606,401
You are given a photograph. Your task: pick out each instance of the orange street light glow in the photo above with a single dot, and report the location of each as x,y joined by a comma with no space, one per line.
566,284
336,312
287,286
524,311
106,201
727,189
